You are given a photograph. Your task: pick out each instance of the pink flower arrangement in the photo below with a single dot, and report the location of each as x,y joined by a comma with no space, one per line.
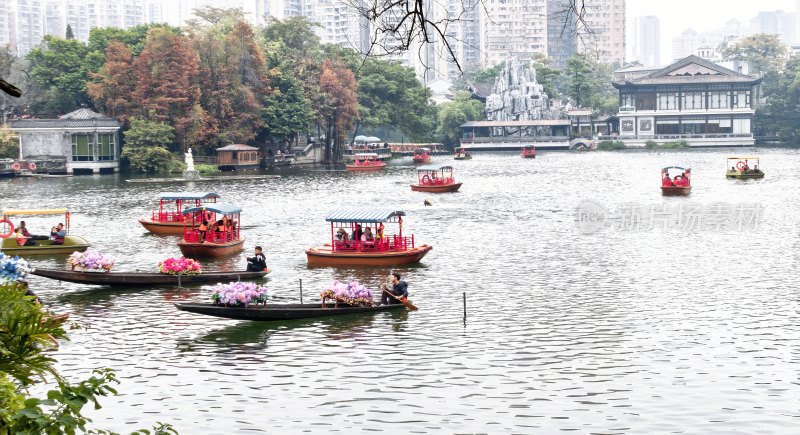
239,294
91,260
351,294
180,266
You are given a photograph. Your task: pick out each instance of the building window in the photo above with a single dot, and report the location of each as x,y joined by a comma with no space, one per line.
667,101
693,125
741,99
82,147
646,101
719,125
718,100
667,125
693,101
108,147
741,126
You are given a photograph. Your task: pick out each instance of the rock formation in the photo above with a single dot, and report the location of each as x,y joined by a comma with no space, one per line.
516,95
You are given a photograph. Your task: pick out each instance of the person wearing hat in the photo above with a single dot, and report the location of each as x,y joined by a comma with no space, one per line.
258,262
342,237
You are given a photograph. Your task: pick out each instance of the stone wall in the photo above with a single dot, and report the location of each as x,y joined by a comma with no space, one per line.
45,144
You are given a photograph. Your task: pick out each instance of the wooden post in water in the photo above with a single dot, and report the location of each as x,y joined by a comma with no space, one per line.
179,280
301,290
465,306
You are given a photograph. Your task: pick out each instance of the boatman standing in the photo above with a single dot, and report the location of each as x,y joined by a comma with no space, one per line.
399,290
258,262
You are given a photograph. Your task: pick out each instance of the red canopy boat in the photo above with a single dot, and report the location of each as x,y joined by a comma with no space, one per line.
529,152
212,237
422,155
366,162
376,249
435,178
680,184
164,221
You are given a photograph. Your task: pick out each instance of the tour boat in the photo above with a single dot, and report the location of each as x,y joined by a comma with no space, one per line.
679,182
435,178
529,152
164,221
740,167
214,238
144,278
385,250
460,154
281,311
422,155
366,162
45,243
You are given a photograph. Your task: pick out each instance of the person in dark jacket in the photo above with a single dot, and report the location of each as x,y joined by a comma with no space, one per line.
258,262
399,290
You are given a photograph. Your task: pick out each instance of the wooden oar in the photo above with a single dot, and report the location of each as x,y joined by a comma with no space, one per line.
406,303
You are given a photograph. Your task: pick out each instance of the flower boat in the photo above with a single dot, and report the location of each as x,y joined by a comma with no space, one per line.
435,178
740,167
365,162
460,154
422,155
41,244
678,184
217,236
384,250
528,152
144,278
169,219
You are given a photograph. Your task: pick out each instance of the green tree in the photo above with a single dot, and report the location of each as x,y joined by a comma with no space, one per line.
60,70
588,83
69,34
763,52
144,133
147,160
455,113
134,38
781,113
286,110
9,143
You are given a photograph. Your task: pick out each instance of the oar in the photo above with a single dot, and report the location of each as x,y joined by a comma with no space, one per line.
406,303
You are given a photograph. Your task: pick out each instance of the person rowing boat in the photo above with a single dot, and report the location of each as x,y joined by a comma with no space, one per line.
398,292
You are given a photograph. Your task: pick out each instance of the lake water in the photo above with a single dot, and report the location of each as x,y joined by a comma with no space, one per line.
623,330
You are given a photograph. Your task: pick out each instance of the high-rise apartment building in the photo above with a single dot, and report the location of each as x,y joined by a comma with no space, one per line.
561,21
647,40
601,31
775,22
514,28
26,24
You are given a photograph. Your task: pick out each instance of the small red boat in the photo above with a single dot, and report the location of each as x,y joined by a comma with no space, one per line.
369,246
435,178
529,152
164,221
679,184
366,162
422,155
212,237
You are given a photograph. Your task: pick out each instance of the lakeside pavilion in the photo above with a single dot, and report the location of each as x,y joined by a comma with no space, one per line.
693,99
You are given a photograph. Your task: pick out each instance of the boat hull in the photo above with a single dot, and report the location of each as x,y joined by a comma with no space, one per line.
468,157
436,189
196,250
529,156
163,227
675,190
323,256
137,278
281,311
365,168
422,159
744,176
44,247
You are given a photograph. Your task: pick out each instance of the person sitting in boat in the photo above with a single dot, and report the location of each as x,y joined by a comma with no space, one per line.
357,232
32,237
368,238
399,290
22,240
379,235
258,262
58,234
666,181
201,231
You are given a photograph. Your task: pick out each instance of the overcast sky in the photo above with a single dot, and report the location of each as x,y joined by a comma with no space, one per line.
700,15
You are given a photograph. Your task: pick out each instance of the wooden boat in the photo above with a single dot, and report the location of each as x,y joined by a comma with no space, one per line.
383,250
740,168
45,245
281,311
212,237
143,278
366,162
422,155
679,184
163,221
460,154
528,152
436,179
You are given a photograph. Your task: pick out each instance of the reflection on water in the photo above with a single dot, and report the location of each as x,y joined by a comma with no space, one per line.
611,332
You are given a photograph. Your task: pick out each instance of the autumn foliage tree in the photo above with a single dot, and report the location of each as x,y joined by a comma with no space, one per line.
340,108
112,87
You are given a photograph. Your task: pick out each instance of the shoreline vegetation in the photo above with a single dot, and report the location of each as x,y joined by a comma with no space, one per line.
616,145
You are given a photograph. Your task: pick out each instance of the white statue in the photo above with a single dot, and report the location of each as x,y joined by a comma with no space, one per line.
189,160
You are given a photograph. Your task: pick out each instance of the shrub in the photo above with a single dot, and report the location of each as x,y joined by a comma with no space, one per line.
611,145
666,145
206,169
147,159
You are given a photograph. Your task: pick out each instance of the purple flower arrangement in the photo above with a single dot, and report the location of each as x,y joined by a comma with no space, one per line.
239,294
352,293
91,260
